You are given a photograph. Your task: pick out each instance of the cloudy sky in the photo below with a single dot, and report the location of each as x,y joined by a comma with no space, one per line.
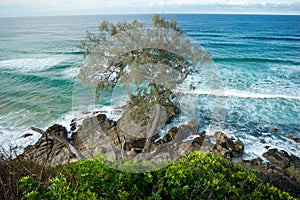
86,7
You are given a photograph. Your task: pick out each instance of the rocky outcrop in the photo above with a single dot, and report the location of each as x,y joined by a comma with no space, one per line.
289,164
281,170
295,139
100,135
226,147
48,150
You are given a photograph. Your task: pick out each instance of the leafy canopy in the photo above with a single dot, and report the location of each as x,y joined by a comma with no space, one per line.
128,54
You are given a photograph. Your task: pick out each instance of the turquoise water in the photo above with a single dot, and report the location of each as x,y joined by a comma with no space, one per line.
257,57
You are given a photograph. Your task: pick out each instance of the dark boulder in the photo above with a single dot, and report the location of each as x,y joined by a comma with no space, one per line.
294,139
172,110
238,147
49,150
226,147
170,135
194,126
92,138
58,130
73,125
277,157
290,164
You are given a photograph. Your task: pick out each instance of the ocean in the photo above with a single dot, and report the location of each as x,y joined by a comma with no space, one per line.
257,58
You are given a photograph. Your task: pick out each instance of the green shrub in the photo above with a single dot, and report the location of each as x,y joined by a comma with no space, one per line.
197,176
12,168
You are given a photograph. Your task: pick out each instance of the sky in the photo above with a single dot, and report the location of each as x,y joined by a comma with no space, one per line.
16,8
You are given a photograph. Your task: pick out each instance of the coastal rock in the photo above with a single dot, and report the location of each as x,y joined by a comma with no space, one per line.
48,150
290,164
100,135
294,172
275,176
73,125
183,133
170,135
91,139
226,147
58,130
294,139
207,144
277,157
194,126
274,129
238,147
263,141
172,110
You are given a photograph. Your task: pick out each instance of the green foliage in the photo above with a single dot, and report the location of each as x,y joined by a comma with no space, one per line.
161,22
12,168
127,54
106,30
197,176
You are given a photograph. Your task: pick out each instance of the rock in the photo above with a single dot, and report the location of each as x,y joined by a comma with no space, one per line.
135,143
263,141
226,147
170,135
207,145
277,157
294,139
58,130
275,129
101,118
107,124
183,133
127,125
290,164
257,161
194,125
73,125
172,110
91,139
224,152
223,140
26,135
238,147
293,172
48,150
99,135
135,151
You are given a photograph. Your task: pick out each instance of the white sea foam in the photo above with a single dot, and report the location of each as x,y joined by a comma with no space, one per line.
236,93
71,72
31,64
112,113
13,127
254,148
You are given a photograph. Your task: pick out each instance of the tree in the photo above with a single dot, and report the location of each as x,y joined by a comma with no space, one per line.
148,62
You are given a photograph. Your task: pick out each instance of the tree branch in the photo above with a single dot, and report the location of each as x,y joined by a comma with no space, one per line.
72,148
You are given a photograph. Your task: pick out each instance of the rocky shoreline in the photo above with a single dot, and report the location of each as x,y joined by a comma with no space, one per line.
100,135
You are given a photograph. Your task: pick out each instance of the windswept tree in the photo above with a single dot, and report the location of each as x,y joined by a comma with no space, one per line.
148,62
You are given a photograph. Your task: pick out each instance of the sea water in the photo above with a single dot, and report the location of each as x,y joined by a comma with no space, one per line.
257,58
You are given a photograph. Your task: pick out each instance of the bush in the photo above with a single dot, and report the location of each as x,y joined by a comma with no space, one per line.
197,176
12,169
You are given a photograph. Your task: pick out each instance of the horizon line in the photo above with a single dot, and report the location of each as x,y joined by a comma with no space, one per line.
151,13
